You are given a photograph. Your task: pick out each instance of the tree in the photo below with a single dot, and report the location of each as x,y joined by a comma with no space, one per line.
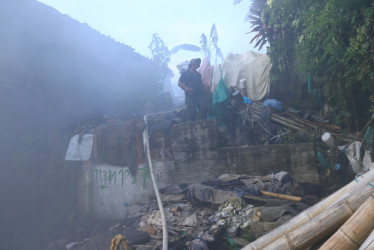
329,42
276,24
207,47
254,15
160,57
337,48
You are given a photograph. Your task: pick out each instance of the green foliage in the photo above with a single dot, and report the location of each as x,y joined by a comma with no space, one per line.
337,47
331,40
247,234
276,23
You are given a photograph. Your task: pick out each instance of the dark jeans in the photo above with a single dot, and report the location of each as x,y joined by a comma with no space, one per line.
194,102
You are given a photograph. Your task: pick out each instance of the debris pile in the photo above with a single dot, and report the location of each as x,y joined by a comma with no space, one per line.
270,124
229,211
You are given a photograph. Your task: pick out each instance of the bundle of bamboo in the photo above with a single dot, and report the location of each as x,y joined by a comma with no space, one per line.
320,220
291,120
355,230
323,224
368,243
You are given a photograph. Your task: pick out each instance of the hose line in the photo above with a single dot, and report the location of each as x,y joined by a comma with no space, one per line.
160,206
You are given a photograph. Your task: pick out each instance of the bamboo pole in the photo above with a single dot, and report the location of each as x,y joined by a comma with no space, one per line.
289,120
281,196
355,230
328,126
323,224
311,212
301,121
279,117
284,121
287,124
368,243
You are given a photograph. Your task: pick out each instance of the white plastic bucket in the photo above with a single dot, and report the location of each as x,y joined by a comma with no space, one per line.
328,139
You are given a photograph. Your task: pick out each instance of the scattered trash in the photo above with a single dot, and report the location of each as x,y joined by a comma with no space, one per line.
215,214
118,240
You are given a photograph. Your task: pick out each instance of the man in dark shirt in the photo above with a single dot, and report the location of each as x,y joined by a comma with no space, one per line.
195,94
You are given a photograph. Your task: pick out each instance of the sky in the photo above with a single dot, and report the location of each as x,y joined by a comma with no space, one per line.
177,22
133,22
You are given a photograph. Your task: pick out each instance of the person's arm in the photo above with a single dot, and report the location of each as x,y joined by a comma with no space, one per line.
182,86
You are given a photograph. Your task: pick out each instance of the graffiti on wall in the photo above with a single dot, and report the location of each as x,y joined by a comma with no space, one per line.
110,177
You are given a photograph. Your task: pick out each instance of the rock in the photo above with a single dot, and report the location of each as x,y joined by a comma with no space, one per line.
148,229
190,221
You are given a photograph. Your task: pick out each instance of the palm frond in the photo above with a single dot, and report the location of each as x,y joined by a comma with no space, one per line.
261,40
255,12
258,4
214,35
204,43
189,47
254,17
257,25
262,44
219,53
255,37
257,28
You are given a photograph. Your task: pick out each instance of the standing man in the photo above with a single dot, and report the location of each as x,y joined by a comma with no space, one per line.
195,94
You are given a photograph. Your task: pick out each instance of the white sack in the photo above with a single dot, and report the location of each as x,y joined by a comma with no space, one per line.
354,156
80,151
251,66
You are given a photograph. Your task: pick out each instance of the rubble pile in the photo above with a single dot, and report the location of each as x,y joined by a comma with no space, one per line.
229,211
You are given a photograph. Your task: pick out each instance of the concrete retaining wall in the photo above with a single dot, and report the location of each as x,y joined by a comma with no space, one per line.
188,153
111,192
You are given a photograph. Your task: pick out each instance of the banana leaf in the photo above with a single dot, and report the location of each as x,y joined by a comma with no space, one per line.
189,47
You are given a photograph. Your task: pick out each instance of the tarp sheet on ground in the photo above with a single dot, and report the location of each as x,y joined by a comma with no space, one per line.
251,66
